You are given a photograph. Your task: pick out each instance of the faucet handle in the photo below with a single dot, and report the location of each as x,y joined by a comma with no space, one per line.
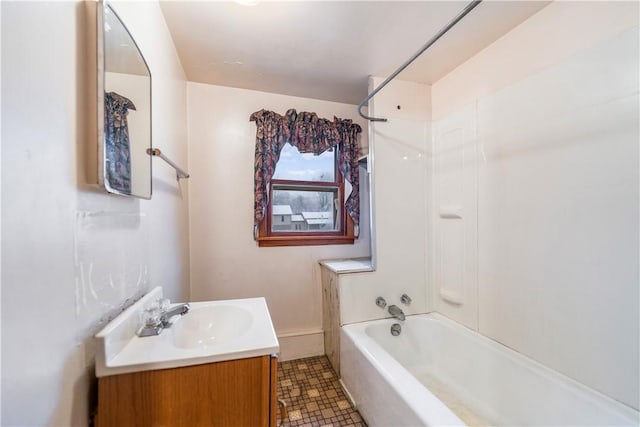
405,299
163,304
380,302
152,316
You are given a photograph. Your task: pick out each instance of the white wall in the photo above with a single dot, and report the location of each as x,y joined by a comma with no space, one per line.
400,196
536,141
73,257
225,260
453,248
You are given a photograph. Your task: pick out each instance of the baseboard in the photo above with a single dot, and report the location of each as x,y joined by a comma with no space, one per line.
298,345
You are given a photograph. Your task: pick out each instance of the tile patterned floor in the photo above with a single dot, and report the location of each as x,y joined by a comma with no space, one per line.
313,395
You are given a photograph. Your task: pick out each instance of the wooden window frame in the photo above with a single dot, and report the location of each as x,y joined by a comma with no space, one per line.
344,236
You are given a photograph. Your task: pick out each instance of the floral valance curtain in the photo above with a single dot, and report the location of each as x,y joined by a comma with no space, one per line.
309,134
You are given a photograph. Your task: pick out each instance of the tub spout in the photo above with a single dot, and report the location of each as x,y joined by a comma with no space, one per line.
396,312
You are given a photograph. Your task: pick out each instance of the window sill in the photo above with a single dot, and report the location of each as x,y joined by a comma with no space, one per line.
273,241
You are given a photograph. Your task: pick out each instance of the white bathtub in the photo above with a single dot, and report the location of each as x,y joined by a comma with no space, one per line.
438,372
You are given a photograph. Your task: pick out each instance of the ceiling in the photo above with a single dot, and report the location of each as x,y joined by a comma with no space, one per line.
327,49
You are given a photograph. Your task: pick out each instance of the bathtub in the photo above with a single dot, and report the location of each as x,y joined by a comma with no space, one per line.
437,372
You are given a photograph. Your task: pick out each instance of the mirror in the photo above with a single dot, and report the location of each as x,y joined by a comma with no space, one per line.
124,109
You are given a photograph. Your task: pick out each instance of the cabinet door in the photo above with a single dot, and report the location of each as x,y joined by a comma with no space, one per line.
327,310
331,317
334,345
215,394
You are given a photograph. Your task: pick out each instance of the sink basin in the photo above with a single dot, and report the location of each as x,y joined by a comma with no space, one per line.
211,331
211,325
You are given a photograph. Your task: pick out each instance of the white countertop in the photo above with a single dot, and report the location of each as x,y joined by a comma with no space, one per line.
354,265
116,355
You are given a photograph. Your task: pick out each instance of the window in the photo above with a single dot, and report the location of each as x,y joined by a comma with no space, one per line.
299,199
306,201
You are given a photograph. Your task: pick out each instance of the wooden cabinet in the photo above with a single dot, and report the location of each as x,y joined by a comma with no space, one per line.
337,275
240,392
331,317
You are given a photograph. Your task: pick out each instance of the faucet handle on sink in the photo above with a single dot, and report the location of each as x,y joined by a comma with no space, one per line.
151,321
151,315
163,304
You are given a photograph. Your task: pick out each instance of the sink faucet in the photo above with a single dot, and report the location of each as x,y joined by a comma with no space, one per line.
178,310
396,312
158,317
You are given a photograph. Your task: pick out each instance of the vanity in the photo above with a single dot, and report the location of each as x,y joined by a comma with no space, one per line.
216,365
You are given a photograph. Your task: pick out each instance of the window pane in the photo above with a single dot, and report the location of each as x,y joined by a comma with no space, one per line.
296,166
304,211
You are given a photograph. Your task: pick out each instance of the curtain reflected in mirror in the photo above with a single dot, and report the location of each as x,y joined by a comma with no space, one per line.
127,111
